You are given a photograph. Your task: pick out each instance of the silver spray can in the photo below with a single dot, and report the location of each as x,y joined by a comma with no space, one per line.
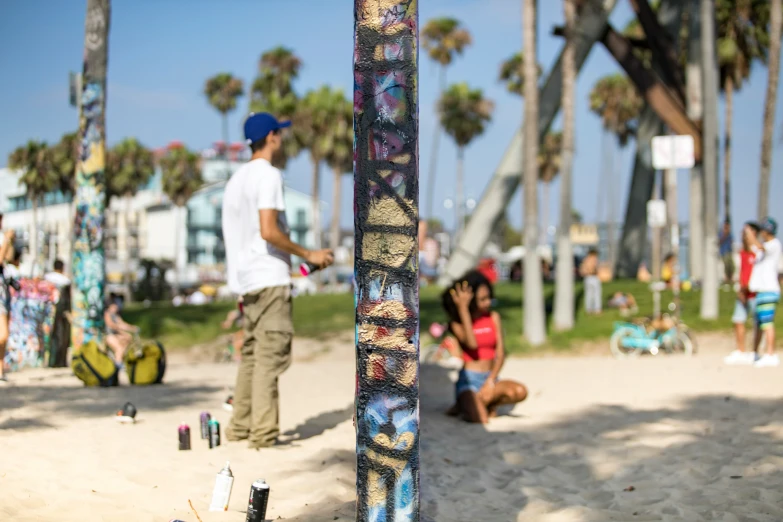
222,492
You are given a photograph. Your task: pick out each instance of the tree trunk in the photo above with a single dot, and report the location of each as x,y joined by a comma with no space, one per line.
315,204
710,290
177,226
459,204
127,270
729,89
334,232
89,260
434,153
534,328
695,112
34,253
612,189
544,232
564,269
225,140
773,73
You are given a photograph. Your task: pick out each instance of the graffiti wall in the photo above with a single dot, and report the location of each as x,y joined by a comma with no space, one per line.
386,263
30,324
89,267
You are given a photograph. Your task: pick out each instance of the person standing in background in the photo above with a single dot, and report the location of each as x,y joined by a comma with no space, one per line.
589,271
6,247
764,282
725,242
745,306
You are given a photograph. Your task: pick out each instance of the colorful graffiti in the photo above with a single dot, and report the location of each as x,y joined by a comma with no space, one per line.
386,194
30,324
89,267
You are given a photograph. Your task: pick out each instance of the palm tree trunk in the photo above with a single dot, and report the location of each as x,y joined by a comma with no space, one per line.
564,269
225,141
315,205
729,89
612,192
435,149
334,233
34,237
773,72
534,329
695,112
545,212
459,204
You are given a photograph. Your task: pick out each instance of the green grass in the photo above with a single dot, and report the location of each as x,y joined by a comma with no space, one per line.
320,316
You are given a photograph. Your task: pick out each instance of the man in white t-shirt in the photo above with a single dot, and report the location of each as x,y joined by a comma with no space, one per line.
765,284
258,259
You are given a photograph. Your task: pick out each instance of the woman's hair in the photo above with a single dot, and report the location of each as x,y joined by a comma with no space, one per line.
474,279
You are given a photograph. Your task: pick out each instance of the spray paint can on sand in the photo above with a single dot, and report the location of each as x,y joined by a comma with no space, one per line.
184,436
204,423
214,433
259,498
222,492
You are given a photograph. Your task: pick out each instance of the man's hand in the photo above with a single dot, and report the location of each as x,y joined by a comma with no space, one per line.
320,258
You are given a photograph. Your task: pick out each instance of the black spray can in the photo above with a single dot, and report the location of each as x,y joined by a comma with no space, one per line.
259,498
214,433
204,421
184,436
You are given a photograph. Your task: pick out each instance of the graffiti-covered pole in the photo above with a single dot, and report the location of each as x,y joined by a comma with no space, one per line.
89,267
386,202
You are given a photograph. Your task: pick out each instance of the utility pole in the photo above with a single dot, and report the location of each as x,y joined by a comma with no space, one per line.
710,290
89,262
386,261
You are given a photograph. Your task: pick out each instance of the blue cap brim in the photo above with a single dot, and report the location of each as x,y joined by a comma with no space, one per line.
284,124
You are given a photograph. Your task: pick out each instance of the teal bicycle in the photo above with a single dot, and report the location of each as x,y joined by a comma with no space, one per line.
633,339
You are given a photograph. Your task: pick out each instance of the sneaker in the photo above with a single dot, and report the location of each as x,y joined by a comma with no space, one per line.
739,357
768,361
229,404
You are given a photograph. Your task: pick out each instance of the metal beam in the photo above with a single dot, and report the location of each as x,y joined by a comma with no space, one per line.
662,99
591,25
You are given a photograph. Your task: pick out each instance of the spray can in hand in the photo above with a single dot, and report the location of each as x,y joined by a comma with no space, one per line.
308,268
222,492
259,498
184,436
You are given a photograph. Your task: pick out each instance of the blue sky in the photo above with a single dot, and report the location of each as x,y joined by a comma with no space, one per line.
161,51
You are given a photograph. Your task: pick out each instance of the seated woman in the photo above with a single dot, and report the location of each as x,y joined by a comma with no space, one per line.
119,334
478,330
624,302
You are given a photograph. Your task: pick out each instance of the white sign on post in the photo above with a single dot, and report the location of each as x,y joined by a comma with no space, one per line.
673,152
656,213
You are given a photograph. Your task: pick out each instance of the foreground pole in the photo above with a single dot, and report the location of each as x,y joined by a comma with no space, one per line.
386,194
89,267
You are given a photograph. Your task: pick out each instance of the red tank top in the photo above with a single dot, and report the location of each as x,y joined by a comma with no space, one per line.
485,331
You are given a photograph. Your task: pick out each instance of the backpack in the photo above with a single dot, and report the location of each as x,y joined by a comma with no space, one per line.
94,367
147,364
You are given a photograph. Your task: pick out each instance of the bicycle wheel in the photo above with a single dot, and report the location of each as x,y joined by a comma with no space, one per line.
616,344
683,343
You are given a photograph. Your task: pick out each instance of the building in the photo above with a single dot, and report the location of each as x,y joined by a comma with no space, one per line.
146,226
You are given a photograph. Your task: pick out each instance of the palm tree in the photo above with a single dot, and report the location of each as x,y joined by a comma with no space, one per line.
129,167
564,271
314,121
340,158
442,38
549,157
181,178
222,92
773,73
64,159
742,38
38,177
272,91
512,72
464,114
616,101
534,327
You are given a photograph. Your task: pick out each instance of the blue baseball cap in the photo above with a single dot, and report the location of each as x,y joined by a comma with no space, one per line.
259,125
769,225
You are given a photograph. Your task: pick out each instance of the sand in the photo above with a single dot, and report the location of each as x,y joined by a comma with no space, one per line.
657,438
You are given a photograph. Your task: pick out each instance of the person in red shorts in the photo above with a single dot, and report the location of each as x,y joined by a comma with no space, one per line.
745,306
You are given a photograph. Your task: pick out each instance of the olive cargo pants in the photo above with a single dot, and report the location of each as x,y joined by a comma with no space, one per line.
266,354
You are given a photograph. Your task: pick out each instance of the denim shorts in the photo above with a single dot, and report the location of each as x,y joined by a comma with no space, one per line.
742,311
470,381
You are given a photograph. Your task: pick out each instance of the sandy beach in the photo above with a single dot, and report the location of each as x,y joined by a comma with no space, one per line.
656,438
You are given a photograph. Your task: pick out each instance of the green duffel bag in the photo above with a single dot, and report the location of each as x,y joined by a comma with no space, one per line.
145,364
94,367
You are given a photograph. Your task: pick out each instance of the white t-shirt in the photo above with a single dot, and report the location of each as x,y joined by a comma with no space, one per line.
57,279
764,277
252,263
